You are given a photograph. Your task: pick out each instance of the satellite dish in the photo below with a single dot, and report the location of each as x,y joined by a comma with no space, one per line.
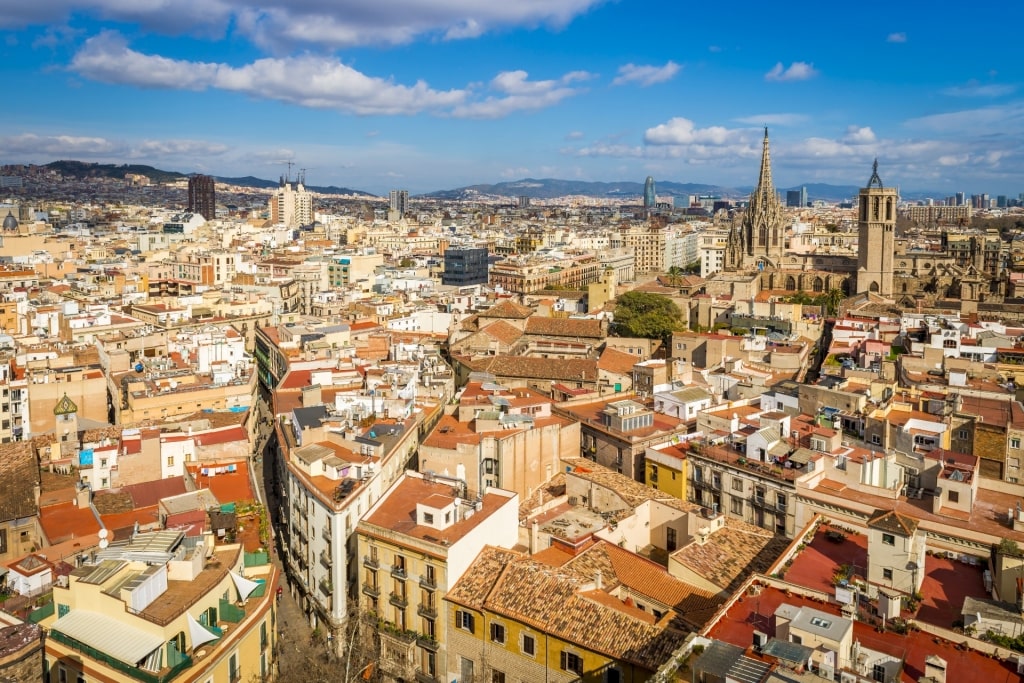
104,543
104,533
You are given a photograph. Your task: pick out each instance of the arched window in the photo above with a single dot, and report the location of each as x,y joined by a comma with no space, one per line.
818,285
790,284
874,287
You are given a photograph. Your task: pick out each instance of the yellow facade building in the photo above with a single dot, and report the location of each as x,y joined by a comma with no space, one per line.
666,469
155,610
517,618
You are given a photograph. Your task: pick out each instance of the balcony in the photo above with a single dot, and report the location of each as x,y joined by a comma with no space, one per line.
326,587
326,534
371,562
428,643
428,582
424,677
398,600
428,611
166,674
760,502
325,559
398,572
716,484
372,590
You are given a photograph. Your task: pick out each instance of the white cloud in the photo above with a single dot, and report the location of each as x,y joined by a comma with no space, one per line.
857,135
518,93
899,37
772,119
305,80
36,147
646,74
973,88
681,131
1007,119
318,82
575,135
280,24
797,71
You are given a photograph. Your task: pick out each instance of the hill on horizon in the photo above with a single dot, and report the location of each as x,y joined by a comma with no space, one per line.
544,188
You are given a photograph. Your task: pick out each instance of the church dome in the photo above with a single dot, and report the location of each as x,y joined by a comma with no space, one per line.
10,222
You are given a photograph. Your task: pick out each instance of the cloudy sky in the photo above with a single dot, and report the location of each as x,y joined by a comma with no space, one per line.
435,94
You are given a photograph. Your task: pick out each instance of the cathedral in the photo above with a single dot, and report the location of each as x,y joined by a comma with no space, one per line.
971,267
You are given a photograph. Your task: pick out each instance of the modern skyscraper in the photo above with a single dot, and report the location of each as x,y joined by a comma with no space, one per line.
876,247
650,196
399,201
202,196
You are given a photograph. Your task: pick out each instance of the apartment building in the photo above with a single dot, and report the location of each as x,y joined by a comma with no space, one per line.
160,608
416,542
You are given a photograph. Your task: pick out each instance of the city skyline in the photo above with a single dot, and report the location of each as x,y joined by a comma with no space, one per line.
443,95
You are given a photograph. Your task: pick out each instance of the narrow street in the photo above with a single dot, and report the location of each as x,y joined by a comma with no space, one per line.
293,631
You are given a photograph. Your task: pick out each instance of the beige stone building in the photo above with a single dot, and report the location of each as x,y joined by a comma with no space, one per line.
152,609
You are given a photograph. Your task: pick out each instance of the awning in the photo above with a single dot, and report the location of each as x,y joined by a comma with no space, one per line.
198,633
801,456
245,586
108,635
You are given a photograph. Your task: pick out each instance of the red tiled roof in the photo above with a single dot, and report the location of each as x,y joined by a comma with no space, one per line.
227,487
220,436
150,493
63,521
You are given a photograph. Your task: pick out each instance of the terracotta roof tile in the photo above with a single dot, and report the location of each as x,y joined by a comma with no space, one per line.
588,328
732,553
559,603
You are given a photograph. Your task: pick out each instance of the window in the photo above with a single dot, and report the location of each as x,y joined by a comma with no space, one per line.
888,539
497,676
234,674
428,518
1014,443
571,661
962,434
887,574
736,506
498,633
954,496
466,669
878,673
612,675
875,439
737,484
529,645
464,620
170,461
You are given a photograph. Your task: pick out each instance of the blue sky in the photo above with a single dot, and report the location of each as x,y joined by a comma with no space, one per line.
435,94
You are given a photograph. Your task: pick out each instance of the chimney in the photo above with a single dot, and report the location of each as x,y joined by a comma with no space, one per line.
598,583
534,537
935,668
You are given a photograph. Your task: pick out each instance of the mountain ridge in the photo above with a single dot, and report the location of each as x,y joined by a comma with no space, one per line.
534,188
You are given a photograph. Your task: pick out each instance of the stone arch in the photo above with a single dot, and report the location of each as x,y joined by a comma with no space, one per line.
874,287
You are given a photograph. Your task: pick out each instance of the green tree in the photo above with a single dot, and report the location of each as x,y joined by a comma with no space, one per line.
674,273
833,298
641,314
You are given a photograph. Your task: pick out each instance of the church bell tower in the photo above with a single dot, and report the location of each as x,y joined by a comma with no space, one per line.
876,227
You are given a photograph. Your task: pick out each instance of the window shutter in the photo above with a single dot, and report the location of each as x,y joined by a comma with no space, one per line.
471,623
565,663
